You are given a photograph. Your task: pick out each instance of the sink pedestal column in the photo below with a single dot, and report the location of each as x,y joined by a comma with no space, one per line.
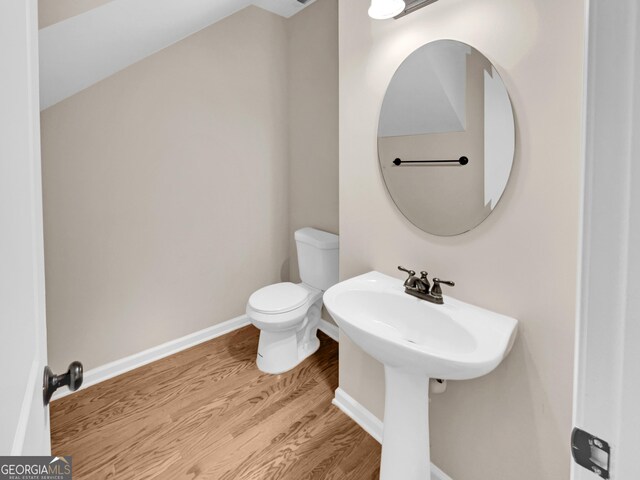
405,441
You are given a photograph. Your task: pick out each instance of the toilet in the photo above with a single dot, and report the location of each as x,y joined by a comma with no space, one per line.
288,314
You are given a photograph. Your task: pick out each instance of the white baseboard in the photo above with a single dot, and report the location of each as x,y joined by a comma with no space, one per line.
330,329
371,424
363,417
118,367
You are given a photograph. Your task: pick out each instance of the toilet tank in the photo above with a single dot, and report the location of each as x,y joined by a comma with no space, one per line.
317,257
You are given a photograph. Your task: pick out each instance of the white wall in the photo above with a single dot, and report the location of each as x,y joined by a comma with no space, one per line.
499,138
607,392
514,423
24,421
85,42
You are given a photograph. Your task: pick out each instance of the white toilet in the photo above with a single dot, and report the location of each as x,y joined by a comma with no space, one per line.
288,314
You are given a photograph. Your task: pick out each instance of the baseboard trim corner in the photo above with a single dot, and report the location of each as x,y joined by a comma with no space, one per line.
329,329
118,367
359,414
370,423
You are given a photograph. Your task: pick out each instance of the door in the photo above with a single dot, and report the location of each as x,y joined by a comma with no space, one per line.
24,421
607,386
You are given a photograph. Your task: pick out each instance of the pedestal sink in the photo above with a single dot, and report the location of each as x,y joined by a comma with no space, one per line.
415,340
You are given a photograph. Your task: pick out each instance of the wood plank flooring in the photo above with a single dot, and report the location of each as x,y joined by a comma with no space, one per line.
209,413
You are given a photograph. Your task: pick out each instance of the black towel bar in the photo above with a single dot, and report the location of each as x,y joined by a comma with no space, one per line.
460,161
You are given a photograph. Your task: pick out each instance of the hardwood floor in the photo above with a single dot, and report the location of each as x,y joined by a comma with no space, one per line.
209,413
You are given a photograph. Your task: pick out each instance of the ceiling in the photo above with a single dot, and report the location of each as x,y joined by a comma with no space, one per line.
84,49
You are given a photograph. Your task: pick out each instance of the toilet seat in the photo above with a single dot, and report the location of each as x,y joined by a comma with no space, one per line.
279,307
278,298
279,321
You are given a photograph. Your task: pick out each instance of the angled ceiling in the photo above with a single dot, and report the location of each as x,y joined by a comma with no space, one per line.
81,50
429,80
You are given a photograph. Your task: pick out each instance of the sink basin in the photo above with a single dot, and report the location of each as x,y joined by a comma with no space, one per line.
455,341
416,340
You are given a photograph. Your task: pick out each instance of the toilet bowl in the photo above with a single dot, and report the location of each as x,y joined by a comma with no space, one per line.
288,314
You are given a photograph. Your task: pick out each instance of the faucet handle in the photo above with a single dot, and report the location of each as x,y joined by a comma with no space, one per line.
436,291
423,275
411,280
410,272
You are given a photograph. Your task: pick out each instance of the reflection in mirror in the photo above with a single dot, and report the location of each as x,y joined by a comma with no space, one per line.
446,137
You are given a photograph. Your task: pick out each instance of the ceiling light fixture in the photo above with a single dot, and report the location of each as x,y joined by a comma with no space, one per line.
413,5
383,9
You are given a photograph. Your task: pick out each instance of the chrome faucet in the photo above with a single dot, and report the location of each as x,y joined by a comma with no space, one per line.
421,287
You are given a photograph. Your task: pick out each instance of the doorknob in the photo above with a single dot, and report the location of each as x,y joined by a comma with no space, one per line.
51,382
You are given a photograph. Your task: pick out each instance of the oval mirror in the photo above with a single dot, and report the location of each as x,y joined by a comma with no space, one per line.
446,137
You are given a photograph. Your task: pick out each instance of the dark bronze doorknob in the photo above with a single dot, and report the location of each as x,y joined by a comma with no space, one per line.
51,382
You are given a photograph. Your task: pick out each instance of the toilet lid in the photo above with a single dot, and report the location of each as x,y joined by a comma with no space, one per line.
278,298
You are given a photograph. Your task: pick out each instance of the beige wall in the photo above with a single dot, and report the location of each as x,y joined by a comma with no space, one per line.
313,120
172,189
515,422
166,192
